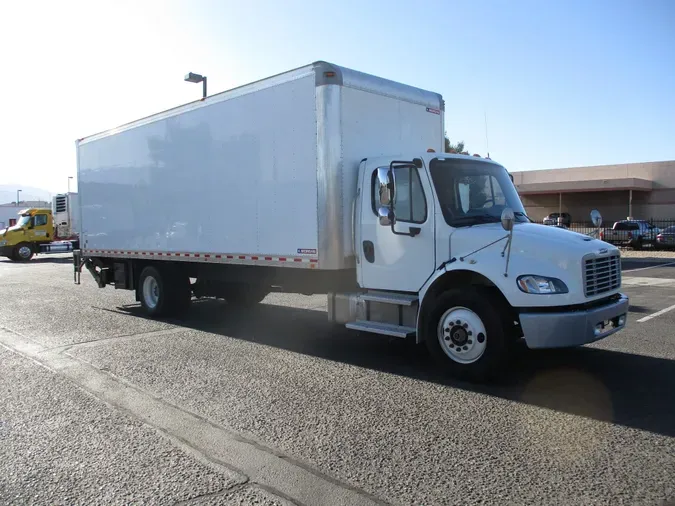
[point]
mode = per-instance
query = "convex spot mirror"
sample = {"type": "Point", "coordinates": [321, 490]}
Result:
{"type": "Point", "coordinates": [508, 217]}
{"type": "Point", "coordinates": [596, 218]}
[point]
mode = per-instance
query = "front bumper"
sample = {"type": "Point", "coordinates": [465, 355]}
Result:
{"type": "Point", "coordinates": [6, 251]}
{"type": "Point", "coordinates": [574, 328]}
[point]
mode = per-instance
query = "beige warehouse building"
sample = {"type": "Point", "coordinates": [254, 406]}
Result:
{"type": "Point", "coordinates": [639, 190]}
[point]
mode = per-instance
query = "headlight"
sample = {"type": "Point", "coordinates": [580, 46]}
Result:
{"type": "Point", "coordinates": [541, 285]}
{"type": "Point", "coordinates": [2, 243]}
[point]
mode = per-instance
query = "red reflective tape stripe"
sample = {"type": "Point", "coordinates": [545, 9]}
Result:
{"type": "Point", "coordinates": [297, 259]}
{"type": "Point", "coordinates": [186, 254]}
{"type": "Point", "coordinates": [282, 259]}
{"type": "Point", "coordinates": [207, 256]}
{"type": "Point", "coordinates": [160, 254]}
{"type": "Point", "coordinates": [231, 257]}
{"type": "Point", "coordinates": [196, 255]}
{"type": "Point", "coordinates": [242, 257]}
{"type": "Point", "coordinates": [314, 260]}
{"type": "Point", "coordinates": [254, 258]}
{"type": "Point", "coordinates": [268, 258]}
{"type": "Point", "coordinates": [219, 256]}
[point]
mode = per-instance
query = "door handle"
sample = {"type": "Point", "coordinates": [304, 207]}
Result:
{"type": "Point", "coordinates": [369, 251]}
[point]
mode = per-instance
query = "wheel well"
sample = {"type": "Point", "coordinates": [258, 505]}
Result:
{"type": "Point", "coordinates": [462, 279]}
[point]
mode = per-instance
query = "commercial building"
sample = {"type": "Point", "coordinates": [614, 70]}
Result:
{"type": "Point", "coordinates": [637, 190]}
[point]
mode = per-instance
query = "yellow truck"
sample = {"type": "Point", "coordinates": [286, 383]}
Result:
{"type": "Point", "coordinates": [40, 230]}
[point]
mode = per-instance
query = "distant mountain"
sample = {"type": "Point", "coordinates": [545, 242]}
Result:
{"type": "Point", "coordinates": [8, 193]}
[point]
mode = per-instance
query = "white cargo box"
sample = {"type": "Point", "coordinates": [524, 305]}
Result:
{"type": "Point", "coordinates": [264, 174]}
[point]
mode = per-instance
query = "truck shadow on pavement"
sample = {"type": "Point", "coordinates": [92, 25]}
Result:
{"type": "Point", "coordinates": [630, 390]}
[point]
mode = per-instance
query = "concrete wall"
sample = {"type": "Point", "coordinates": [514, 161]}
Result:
{"type": "Point", "coordinates": [659, 203]}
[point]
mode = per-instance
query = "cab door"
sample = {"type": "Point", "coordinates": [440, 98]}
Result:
{"type": "Point", "coordinates": [401, 261]}
{"type": "Point", "coordinates": [41, 228]}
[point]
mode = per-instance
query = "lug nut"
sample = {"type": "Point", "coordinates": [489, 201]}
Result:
{"type": "Point", "coordinates": [458, 322]}
{"type": "Point", "coordinates": [470, 341]}
{"type": "Point", "coordinates": [447, 338]}
{"type": "Point", "coordinates": [466, 325]}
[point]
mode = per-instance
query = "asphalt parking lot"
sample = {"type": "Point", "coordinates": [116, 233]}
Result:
{"type": "Point", "coordinates": [277, 406]}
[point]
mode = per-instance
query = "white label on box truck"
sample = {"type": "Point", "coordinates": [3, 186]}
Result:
{"type": "Point", "coordinates": [433, 111]}
{"type": "Point", "coordinates": [303, 251]}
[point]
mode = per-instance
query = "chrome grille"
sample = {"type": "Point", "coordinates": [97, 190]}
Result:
{"type": "Point", "coordinates": [601, 274]}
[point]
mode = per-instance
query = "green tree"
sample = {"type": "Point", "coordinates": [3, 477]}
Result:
{"type": "Point", "coordinates": [457, 147]}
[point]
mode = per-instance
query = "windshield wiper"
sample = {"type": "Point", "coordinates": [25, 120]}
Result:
{"type": "Point", "coordinates": [518, 213]}
{"type": "Point", "coordinates": [474, 220]}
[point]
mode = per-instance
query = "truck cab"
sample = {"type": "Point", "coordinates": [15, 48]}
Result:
{"type": "Point", "coordinates": [444, 240]}
{"type": "Point", "coordinates": [21, 241]}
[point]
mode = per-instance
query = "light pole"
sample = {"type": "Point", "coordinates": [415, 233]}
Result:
{"type": "Point", "coordinates": [197, 78]}
{"type": "Point", "coordinates": [17, 197]}
{"type": "Point", "coordinates": [69, 178]}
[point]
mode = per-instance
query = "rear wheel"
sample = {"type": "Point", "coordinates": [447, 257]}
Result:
{"type": "Point", "coordinates": [164, 291]}
{"type": "Point", "coordinates": [23, 252]}
{"type": "Point", "coordinates": [465, 334]}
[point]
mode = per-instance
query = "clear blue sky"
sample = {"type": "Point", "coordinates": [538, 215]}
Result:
{"type": "Point", "coordinates": [563, 83]}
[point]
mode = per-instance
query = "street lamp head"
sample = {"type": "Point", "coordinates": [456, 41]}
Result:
{"type": "Point", "coordinates": [193, 78]}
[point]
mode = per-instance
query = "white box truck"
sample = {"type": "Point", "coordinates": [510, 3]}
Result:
{"type": "Point", "coordinates": [327, 180]}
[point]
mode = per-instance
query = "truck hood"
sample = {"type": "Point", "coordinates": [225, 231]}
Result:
{"type": "Point", "coordinates": [528, 239]}
{"type": "Point", "coordinates": [537, 250]}
{"type": "Point", "coordinates": [13, 228]}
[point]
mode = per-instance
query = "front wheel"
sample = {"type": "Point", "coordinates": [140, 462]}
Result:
{"type": "Point", "coordinates": [23, 252]}
{"type": "Point", "coordinates": [465, 333]}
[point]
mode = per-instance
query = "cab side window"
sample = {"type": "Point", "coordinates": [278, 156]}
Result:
{"type": "Point", "coordinates": [410, 204]}
{"type": "Point", "coordinates": [40, 220]}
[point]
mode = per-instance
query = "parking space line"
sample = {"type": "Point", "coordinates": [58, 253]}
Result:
{"type": "Point", "coordinates": [642, 281]}
{"type": "Point", "coordinates": [654, 315]}
{"type": "Point", "coordinates": [650, 267]}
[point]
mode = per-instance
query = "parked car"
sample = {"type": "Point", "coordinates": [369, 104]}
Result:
{"type": "Point", "coordinates": [666, 238]}
{"type": "Point", "coordinates": [552, 219]}
{"type": "Point", "coordinates": [633, 233]}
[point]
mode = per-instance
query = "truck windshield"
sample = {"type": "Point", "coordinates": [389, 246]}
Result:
{"type": "Point", "coordinates": [471, 192]}
{"type": "Point", "coordinates": [23, 221]}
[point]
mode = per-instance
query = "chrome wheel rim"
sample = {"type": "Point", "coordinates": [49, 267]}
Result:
{"type": "Point", "coordinates": [150, 292]}
{"type": "Point", "coordinates": [24, 252]}
{"type": "Point", "coordinates": [462, 335]}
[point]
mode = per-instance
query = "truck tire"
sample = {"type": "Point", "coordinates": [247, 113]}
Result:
{"type": "Point", "coordinates": [637, 245]}
{"type": "Point", "coordinates": [23, 252]}
{"type": "Point", "coordinates": [164, 291]}
{"type": "Point", "coordinates": [465, 333]}
{"type": "Point", "coordinates": [242, 295]}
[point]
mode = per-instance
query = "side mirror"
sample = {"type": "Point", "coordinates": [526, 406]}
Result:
{"type": "Point", "coordinates": [511, 177]}
{"type": "Point", "coordinates": [596, 218]}
{"type": "Point", "coordinates": [508, 217]}
{"type": "Point", "coordinates": [386, 216]}
{"type": "Point", "coordinates": [385, 186]}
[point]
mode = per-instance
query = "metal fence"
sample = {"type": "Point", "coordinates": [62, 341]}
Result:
{"type": "Point", "coordinates": [589, 229]}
